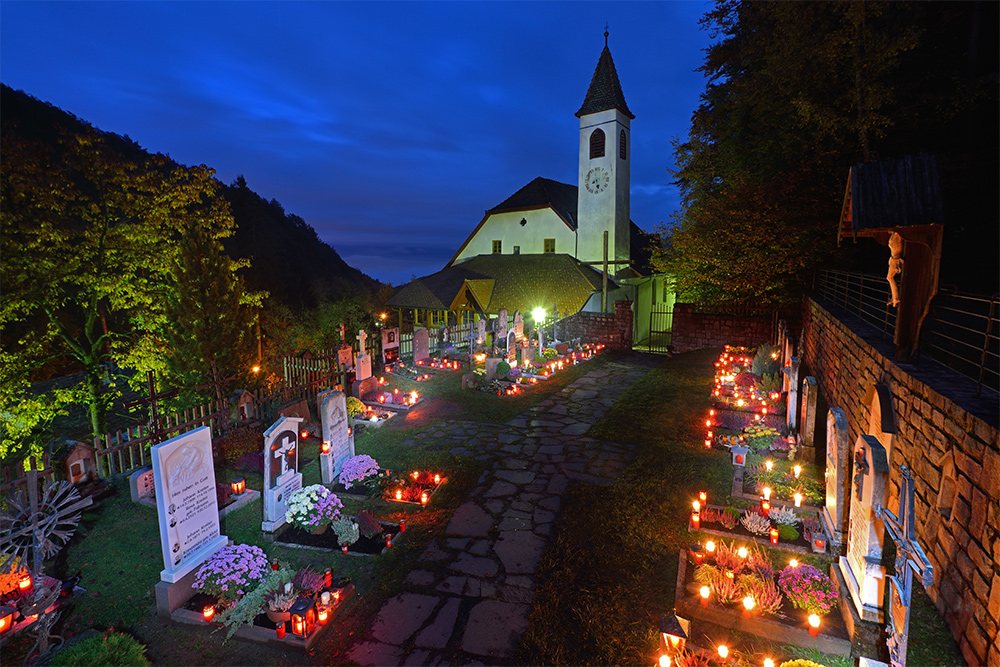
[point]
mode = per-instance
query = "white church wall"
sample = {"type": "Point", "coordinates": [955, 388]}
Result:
{"type": "Point", "coordinates": [540, 224]}
{"type": "Point", "coordinates": [609, 208]}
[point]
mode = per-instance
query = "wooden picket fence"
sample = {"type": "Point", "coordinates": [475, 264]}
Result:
{"type": "Point", "coordinates": [15, 476]}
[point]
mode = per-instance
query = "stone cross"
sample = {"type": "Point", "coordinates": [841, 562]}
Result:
{"type": "Point", "coordinates": [910, 560]}
{"type": "Point", "coordinates": [362, 337]}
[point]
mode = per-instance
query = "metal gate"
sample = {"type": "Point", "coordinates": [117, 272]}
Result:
{"type": "Point", "coordinates": [660, 326]}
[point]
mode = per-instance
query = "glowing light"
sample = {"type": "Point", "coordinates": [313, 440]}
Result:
{"type": "Point", "coordinates": [814, 621]}
{"type": "Point", "coordinates": [793, 563]}
{"type": "Point", "coordinates": [399, 494]}
{"type": "Point", "coordinates": [664, 661]}
{"type": "Point", "coordinates": [208, 612]}
{"type": "Point", "coordinates": [696, 505]}
{"type": "Point", "coordinates": [767, 492]}
{"type": "Point", "coordinates": [710, 547]}
{"type": "Point", "coordinates": [424, 498]}
{"type": "Point", "coordinates": [703, 496]}
{"type": "Point", "coordinates": [769, 465]}
{"type": "Point", "coordinates": [797, 470]}
{"type": "Point", "coordinates": [256, 369]}
{"type": "Point", "coordinates": [798, 499]}
{"type": "Point", "coordinates": [723, 651]}
{"type": "Point", "coordinates": [748, 603]}
{"type": "Point", "coordinates": [742, 552]}
{"type": "Point", "coordinates": [768, 662]}
{"type": "Point", "coordinates": [538, 314]}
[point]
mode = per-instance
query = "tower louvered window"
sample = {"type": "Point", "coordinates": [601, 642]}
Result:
{"type": "Point", "coordinates": [622, 150]}
{"type": "Point", "coordinates": [597, 144]}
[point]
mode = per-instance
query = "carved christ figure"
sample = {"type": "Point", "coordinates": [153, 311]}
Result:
{"type": "Point", "coordinates": [895, 266]}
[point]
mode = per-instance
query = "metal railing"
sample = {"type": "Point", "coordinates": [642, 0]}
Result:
{"type": "Point", "coordinates": [961, 331]}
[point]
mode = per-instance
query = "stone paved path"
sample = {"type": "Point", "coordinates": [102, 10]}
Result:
{"type": "Point", "coordinates": [475, 608]}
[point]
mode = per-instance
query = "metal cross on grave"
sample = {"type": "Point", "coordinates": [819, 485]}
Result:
{"type": "Point", "coordinates": [343, 333]}
{"type": "Point", "coordinates": [156, 434]}
{"type": "Point", "coordinates": [910, 560]}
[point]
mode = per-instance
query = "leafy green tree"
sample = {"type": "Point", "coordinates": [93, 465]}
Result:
{"type": "Point", "coordinates": [89, 240]}
{"type": "Point", "coordinates": [208, 318]}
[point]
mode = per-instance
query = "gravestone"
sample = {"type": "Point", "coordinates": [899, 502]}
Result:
{"type": "Point", "coordinates": [910, 560]}
{"type": "Point", "coordinates": [862, 567]}
{"type": "Point", "coordinates": [480, 332]}
{"type": "Point", "coordinates": [528, 356]}
{"type": "Point", "coordinates": [541, 339]}
{"type": "Point", "coordinates": [281, 470]}
{"type": "Point", "coordinates": [364, 383]}
{"type": "Point", "coordinates": [421, 346]}
{"type": "Point", "coordinates": [791, 373]}
{"type": "Point", "coordinates": [837, 478]}
{"type": "Point", "coordinates": [807, 419]}
{"type": "Point", "coordinates": [518, 325]}
{"type": "Point", "coordinates": [332, 408]}
{"type": "Point", "coordinates": [491, 367]}
{"type": "Point", "coordinates": [881, 416]}
{"type": "Point", "coordinates": [787, 353]}
{"type": "Point", "coordinates": [501, 331]}
{"type": "Point", "coordinates": [142, 485]}
{"type": "Point", "coordinates": [511, 347]}
{"type": "Point", "coordinates": [390, 345]}
{"type": "Point", "coordinates": [186, 503]}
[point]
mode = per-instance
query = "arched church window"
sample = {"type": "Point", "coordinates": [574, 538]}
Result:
{"type": "Point", "coordinates": [622, 151]}
{"type": "Point", "coordinates": [597, 143]}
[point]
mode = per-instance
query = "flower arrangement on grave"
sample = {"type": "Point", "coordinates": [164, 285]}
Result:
{"type": "Point", "coordinates": [354, 406]}
{"type": "Point", "coordinates": [346, 530]}
{"type": "Point", "coordinates": [414, 487]}
{"type": "Point", "coordinates": [514, 374]}
{"type": "Point", "coordinates": [549, 354]}
{"type": "Point", "coordinates": [246, 608]}
{"type": "Point", "coordinates": [764, 592]}
{"type": "Point", "coordinates": [727, 516]}
{"type": "Point", "coordinates": [313, 507]}
{"type": "Point", "coordinates": [232, 572]}
{"type": "Point", "coordinates": [503, 368]}
{"type": "Point", "coordinates": [358, 470]}
{"type": "Point", "coordinates": [755, 522]}
{"type": "Point", "coordinates": [808, 589]}
{"type": "Point", "coordinates": [784, 516]}
{"type": "Point", "coordinates": [280, 601]}
{"type": "Point", "coordinates": [738, 577]}
{"type": "Point", "coordinates": [758, 438]}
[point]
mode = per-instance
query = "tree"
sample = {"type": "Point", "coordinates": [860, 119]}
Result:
{"type": "Point", "coordinates": [796, 94]}
{"type": "Point", "coordinates": [89, 240]}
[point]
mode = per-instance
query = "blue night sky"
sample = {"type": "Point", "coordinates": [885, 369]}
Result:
{"type": "Point", "coordinates": [388, 127]}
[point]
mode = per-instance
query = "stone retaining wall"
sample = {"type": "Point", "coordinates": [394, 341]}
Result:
{"type": "Point", "coordinates": [611, 329]}
{"type": "Point", "coordinates": [692, 330]}
{"type": "Point", "coordinates": [954, 457]}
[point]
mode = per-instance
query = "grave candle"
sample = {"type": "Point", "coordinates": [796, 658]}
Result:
{"type": "Point", "coordinates": [323, 615]}
{"type": "Point", "coordinates": [280, 629]}
{"type": "Point", "coordinates": [769, 465]}
{"type": "Point", "coordinates": [437, 479]}
{"type": "Point", "coordinates": [324, 597]}
{"type": "Point", "coordinates": [767, 492]}
{"type": "Point", "coordinates": [696, 505]}
{"type": "Point", "coordinates": [765, 507]}
{"type": "Point", "coordinates": [705, 592]}
{"type": "Point", "coordinates": [703, 497]}
{"type": "Point", "coordinates": [343, 548]}
{"type": "Point", "coordinates": [793, 563]}
{"type": "Point", "coordinates": [388, 540]}
{"type": "Point", "coordinates": [328, 577]}
{"type": "Point", "coordinates": [768, 662]}
{"type": "Point", "coordinates": [424, 498]}
{"type": "Point", "coordinates": [708, 444]}
{"type": "Point", "coordinates": [710, 548]}
{"type": "Point", "coordinates": [748, 605]}
{"type": "Point", "coordinates": [326, 447]}
{"type": "Point", "coordinates": [814, 625]}
{"type": "Point", "coordinates": [399, 494]}
{"type": "Point", "coordinates": [664, 660]}
{"type": "Point", "coordinates": [774, 536]}
{"type": "Point", "coordinates": [742, 552]}
{"type": "Point", "coordinates": [798, 499]}
{"type": "Point", "coordinates": [24, 583]}
{"type": "Point", "coordinates": [797, 470]}
{"type": "Point", "coordinates": [723, 651]}
{"type": "Point", "coordinates": [695, 520]}
{"type": "Point", "coordinates": [402, 525]}
{"type": "Point", "coordinates": [697, 552]}
{"type": "Point", "coordinates": [208, 612]}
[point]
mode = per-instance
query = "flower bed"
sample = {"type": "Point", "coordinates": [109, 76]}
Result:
{"type": "Point", "coordinates": [719, 522]}
{"type": "Point", "coordinates": [409, 372]}
{"type": "Point", "coordinates": [330, 541]}
{"type": "Point", "coordinates": [414, 488]}
{"type": "Point", "coordinates": [441, 365]}
{"type": "Point", "coordinates": [783, 622]}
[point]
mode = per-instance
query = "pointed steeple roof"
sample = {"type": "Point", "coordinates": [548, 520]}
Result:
{"type": "Point", "coordinates": [605, 90]}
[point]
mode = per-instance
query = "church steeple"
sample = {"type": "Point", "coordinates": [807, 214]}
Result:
{"type": "Point", "coordinates": [605, 90]}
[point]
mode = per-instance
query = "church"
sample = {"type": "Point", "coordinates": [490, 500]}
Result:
{"type": "Point", "coordinates": [550, 244]}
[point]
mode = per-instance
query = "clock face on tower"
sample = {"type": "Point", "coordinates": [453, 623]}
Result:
{"type": "Point", "coordinates": [597, 180]}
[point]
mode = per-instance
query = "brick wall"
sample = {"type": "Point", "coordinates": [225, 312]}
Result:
{"type": "Point", "coordinates": [611, 329]}
{"type": "Point", "coordinates": [954, 457]}
{"type": "Point", "coordinates": [693, 330]}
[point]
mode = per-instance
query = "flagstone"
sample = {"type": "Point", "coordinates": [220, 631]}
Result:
{"type": "Point", "coordinates": [471, 520]}
{"type": "Point", "coordinates": [519, 551]}
{"type": "Point", "coordinates": [501, 489]}
{"type": "Point", "coordinates": [452, 585]}
{"type": "Point", "coordinates": [475, 565]}
{"type": "Point", "coordinates": [494, 628]}
{"type": "Point", "coordinates": [375, 653]}
{"type": "Point", "coordinates": [437, 634]}
{"type": "Point", "coordinates": [401, 616]}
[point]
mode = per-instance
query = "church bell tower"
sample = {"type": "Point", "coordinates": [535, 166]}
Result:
{"type": "Point", "coordinates": [605, 149]}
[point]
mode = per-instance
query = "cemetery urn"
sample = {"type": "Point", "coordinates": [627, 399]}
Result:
{"type": "Point", "coordinates": [303, 616]}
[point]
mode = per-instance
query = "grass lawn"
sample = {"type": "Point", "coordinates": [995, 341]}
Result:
{"type": "Point", "coordinates": [611, 568]}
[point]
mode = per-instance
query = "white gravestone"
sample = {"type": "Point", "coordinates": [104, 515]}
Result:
{"type": "Point", "coordinates": [837, 480]}
{"type": "Point", "coordinates": [390, 345]}
{"type": "Point", "coordinates": [541, 339]}
{"type": "Point", "coordinates": [511, 347]}
{"type": "Point", "coordinates": [518, 325]}
{"type": "Point", "coordinates": [281, 470]}
{"type": "Point", "coordinates": [862, 567]}
{"type": "Point", "coordinates": [881, 416]}
{"type": "Point", "coordinates": [502, 323]}
{"type": "Point", "coordinates": [363, 364]}
{"type": "Point", "coordinates": [186, 502]}
{"type": "Point", "coordinates": [335, 428]}
{"type": "Point", "coordinates": [480, 332]}
{"type": "Point", "coordinates": [807, 418]}
{"type": "Point", "coordinates": [421, 346]}
{"type": "Point", "coordinates": [142, 484]}
{"type": "Point", "coordinates": [491, 367]}
{"type": "Point", "coordinates": [792, 380]}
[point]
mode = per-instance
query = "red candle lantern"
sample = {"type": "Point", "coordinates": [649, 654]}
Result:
{"type": "Point", "coordinates": [697, 552]}
{"type": "Point", "coordinates": [814, 625]}
{"type": "Point", "coordinates": [304, 434]}
{"type": "Point", "coordinates": [705, 592]}
{"type": "Point", "coordinates": [274, 565]}
{"type": "Point", "coordinates": [239, 485]}
{"type": "Point", "coordinates": [402, 525]}
{"type": "Point", "coordinates": [695, 520]}
{"type": "Point", "coordinates": [748, 606]}
{"type": "Point", "coordinates": [328, 577]}
{"type": "Point", "coordinates": [325, 447]}
{"type": "Point", "coordinates": [208, 612]}
{"type": "Point", "coordinates": [424, 498]}
{"type": "Point", "coordinates": [24, 583]}
{"type": "Point", "coordinates": [6, 618]}
{"type": "Point", "coordinates": [303, 616]}
{"type": "Point", "coordinates": [323, 615]}
{"type": "Point", "coordinates": [343, 548]}
{"type": "Point", "coordinates": [765, 507]}
{"type": "Point", "coordinates": [280, 629]}
{"type": "Point", "coordinates": [388, 540]}
{"type": "Point", "coordinates": [703, 497]}
{"type": "Point", "coordinates": [774, 536]}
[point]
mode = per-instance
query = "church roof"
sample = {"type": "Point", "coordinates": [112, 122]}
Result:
{"type": "Point", "coordinates": [605, 90]}
{"type": "Point", "coordinates": [514, 282]}
{"type": "Point", "coordinates": [542, 192]}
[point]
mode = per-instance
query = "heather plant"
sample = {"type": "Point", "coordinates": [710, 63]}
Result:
{"type": "Point", "coordinates": [232, 571]}
{"type": "Point", "coordinates": [763, 590]}
{"type": "Point", "coordinates": [691, 659]}
{"type": "Point", "coordinates": [759, 563]}
{"type": "Point", "coordinates": [246, 608]}
{"type": "Point", "coordinates": [281, 601]}
{"type": "Point", "coordinates": [727, 557]}
{"type": "Point", "coordinates": [785, 516]}
{"type": "Point", "coordinates": [346, 530]}
{"type": "Point", "coordinates": [357, 469]}
{"type": "Point", "coordinates": [730, 517]}
{"type": "Point", "coordinates": [309, 581]}
{"type": "Point", "coordinates": [755, 522]}
{"type": "Point", "coordinates": [808, 589]}
{"type": "Point", "coordinates": [726, 588]}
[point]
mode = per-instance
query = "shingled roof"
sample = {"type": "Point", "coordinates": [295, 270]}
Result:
{"type": "Point", "coordinates": [542, 192]}
{"type": "Point", "coordinates": [518, 282]}
{"type": "Point", "coordinates": [605, 90]}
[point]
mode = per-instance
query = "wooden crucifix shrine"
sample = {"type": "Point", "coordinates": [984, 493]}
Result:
{"type": "Point", "coordinates": [155, 432]}
{"type": "Point", "coordinates": [910, 560]}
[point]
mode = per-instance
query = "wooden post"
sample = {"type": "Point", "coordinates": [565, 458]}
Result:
{"type": "Point", "coordinates": [604, 279]}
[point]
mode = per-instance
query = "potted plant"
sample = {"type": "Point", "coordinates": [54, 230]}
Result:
{"type": "Point", "coordinates": [808, 589]}
{"type": "Point", "coordinates": [358, 470]}
{"type": "Point", "coordinates": [313, 508]}
{"type": "Point", "coordinates": [347, 532]}
{"type": "Point", "coordinates": [232, 572]}
{"type": "Point", "coordinates": [279, 603]}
